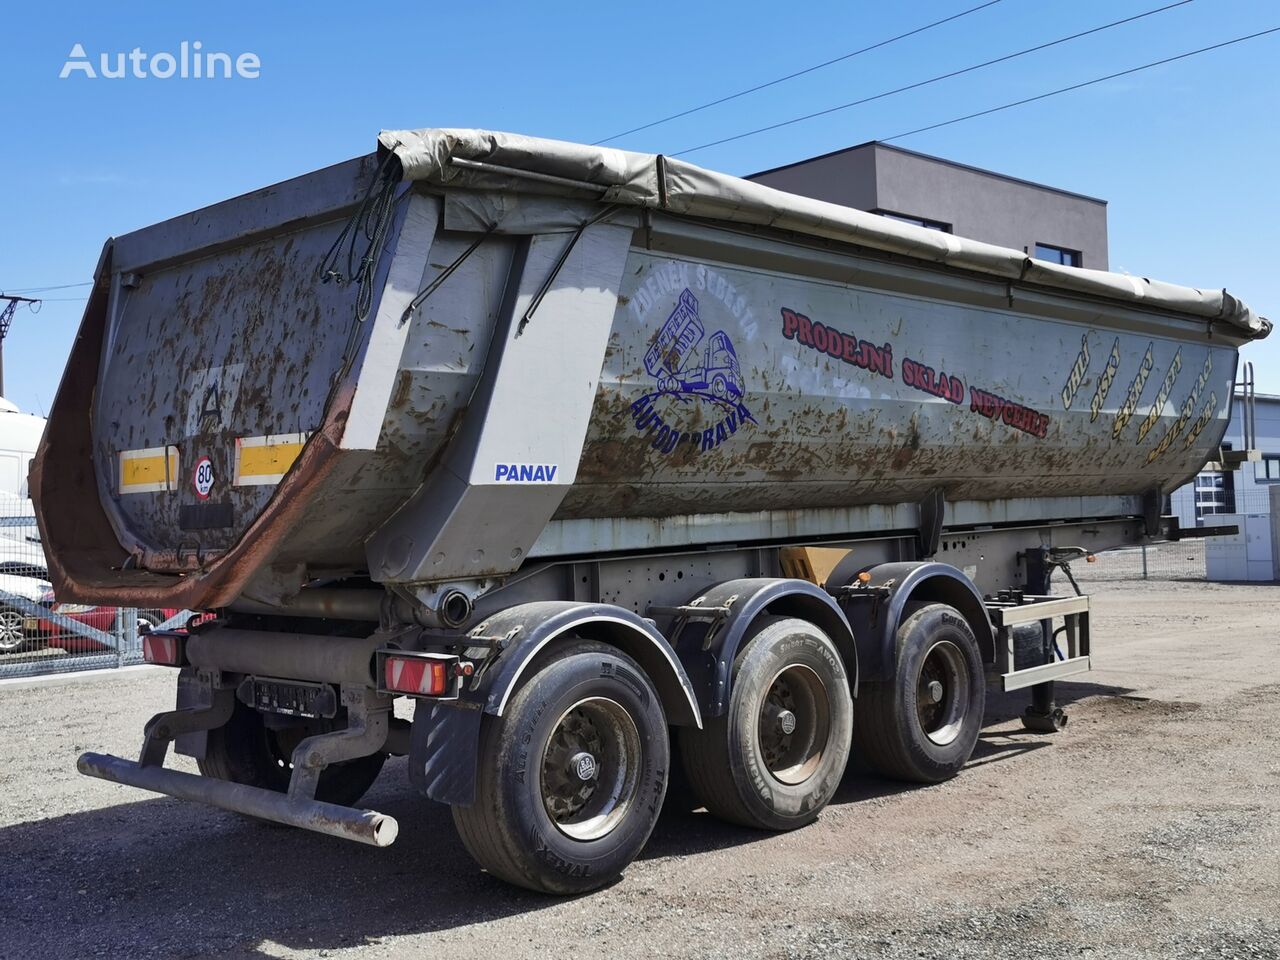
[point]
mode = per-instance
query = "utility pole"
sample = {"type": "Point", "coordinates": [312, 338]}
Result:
{"type": "Point", "coordinates": [10, 304]}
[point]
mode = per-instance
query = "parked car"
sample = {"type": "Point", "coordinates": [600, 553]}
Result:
{"type": "Point", "coordinates": [16, 626]}
{"type": "Point", "coordinates": [105, 619]}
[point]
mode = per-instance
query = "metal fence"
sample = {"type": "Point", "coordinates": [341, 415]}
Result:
{"type": "Point", "coordinates": [40, 634]}
{"type": "Point", "coordinates": [1180, 560]}
{"type": "Point", "coordinates": [1183, 560]}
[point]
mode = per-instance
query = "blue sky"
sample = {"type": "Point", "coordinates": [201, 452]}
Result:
{"type": "Point", "coordinates": [1186, 154]}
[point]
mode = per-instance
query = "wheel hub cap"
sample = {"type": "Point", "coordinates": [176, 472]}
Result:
{"type": "Point", "coordinates": [794, 724]}
{"type": "Point", "coordinates": [591, 768]}
{"type": "Point", "coordinates": [787, 723]}
{"type": "Point", "coordinates": [942, 692]}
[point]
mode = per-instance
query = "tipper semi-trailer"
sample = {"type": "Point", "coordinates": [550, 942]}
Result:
{"type": "Point", "coordinates": [602, 459]}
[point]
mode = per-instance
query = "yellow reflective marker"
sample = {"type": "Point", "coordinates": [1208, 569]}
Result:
{"type": "Point", "coordinates": [265, 460]}
{"type": "Point", "coordinates": [151, 470]}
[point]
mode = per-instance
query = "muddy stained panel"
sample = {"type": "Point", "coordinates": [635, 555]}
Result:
{"type": "Point", "coordinates": [731, 389]}
{"type": "Point", "coordinates": [444, 354]}
{"type": "Point", "coordinates": [240, 344]}
{"type": "Point", "coordinates": [445, 350]}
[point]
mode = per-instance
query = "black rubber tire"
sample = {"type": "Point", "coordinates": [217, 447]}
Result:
{"type": "Point", "coordinates": [152, 617]}
{"type": "Point", "coordinates": [888, 733]}
{"type": "Point", "coordinates": [508, 830]}
{"type": "Point", "coordinates": [245, 751]}
{"type": "Point", "coordinates": [725, 760]}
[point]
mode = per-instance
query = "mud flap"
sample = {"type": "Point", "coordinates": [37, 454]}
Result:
{"type": "Point", "coordinates": [191, 693]}
{"type": "Point", "coordinates": [443, 749]}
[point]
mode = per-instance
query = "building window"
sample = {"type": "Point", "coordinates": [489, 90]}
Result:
{"type": "Point", "coordinates": [1214, 493]}
{"type": "Point", "coordinates": [1068, 258]}
{"type": "Point", "coordinates": [915, 221]}
{"type": "Point", "coordinates": [1268, 468]}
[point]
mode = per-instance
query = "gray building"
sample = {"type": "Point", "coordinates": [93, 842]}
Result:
{"type": "Point", "coordinates": [1044, 222]}
{"type": "Point", "coordinates": [1247, 489]}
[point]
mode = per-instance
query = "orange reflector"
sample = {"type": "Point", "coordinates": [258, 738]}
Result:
{"type": "Point", "coordinates": [864, 577]}
{"type": "Point", "coordinates": [163, 649]}
{"type": "Point", "coordinates": [1091, 559]}
{"type": "Point", "coordinates": [417, 676]}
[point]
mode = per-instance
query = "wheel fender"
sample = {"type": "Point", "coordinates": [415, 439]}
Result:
{"type": "Point", "coordinates": [443, 749]}
{"type": "Point", "coordinates": [711, 665]}
{"type": "Point", "coordinates": [875, 619]}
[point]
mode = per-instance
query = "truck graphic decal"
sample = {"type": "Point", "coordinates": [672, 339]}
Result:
{"type": "Point", "coordinates": [675, 361]}
{"type": "Point", "coordinates": [688, 367]}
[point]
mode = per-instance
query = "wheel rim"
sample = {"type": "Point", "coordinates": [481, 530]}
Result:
{"type": "Point", "coordinates": [591, 768]}
{"type": "Point", "coordinates": [795, 724]}
{"type": "Point", "coordinates": [11, 635]}
{"type": "Point", "coordinates": [942, 692]}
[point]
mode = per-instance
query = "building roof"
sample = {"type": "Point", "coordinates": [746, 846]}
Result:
{"type": "Point", "coordinates": [880, 145]}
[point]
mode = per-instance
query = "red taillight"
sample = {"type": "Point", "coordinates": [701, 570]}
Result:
{"type": "Point", "coordinates": [164, 649]}
{"type": "Point", "coordinates": [420, 674]}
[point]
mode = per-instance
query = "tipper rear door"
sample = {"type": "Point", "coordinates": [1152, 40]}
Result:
{"type": "Point", "coordinates": [216, 369]}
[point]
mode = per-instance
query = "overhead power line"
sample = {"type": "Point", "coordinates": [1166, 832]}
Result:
{"type": "Point", "coordinates": [940, 77]}
{"type": "Point", "coordinates": [61, 286]}
{"type": "Point", "coordinates": [800, 73]}
{"type": "Point", "coordinates": [1077, 86]}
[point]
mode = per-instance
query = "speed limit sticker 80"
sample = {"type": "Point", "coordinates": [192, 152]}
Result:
{"type": "Point", "coordinates": [202, 477]}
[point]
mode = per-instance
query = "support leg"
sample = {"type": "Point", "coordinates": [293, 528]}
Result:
{"type": "Point", "coordinates": [1043, 716]}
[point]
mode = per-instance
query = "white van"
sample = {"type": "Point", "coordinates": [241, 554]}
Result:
{"type": "Point", "coordinates": [19, 436]}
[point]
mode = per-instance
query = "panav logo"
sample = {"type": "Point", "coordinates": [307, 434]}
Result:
{"type": "Point", "coordinates": [689, 368]}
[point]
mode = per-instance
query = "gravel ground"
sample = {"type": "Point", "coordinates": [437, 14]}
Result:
{"type": "Point", "coordinates": [1150, 828]}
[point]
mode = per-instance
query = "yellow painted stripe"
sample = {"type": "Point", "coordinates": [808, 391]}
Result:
{"type": "Point", "coordinates": [265, 460]}
{"type": "Point", "coordinates": [268, 459]}
{"type": "Point", "coordinates": [143, 471]}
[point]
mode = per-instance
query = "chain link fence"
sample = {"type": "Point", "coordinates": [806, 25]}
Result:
{"type": "Point", "coordinates": [39, 634]}
{"type": "Point", "coordinates": [1180, 560]}
{"type": "Point", "coordinates": [1183, 560]}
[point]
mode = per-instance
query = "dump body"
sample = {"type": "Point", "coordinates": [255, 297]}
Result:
{"type": "Point", "coordinates": [549, 368]}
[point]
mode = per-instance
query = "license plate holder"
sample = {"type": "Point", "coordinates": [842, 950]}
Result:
{"type": "Point", "coordinates": [291, 698]}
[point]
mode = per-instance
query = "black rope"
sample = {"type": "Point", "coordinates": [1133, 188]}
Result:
{"type": "Point", "coordinates": [444, 275]}
{"type": "Point", "coordinates": [372, 221]}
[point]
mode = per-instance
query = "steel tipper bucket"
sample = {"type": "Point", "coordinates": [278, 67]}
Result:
{"type": "Point", "coordinates": [356, 371]}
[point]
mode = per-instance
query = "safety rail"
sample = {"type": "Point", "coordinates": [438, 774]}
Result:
{"type": "Point", "coordinates": [1010, 609]}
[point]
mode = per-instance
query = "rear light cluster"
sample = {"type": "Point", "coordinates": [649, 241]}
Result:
{"type": "Point", "coordinates": [164, 649]}
{"type": "Point", "coordinates": [435, 675]}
